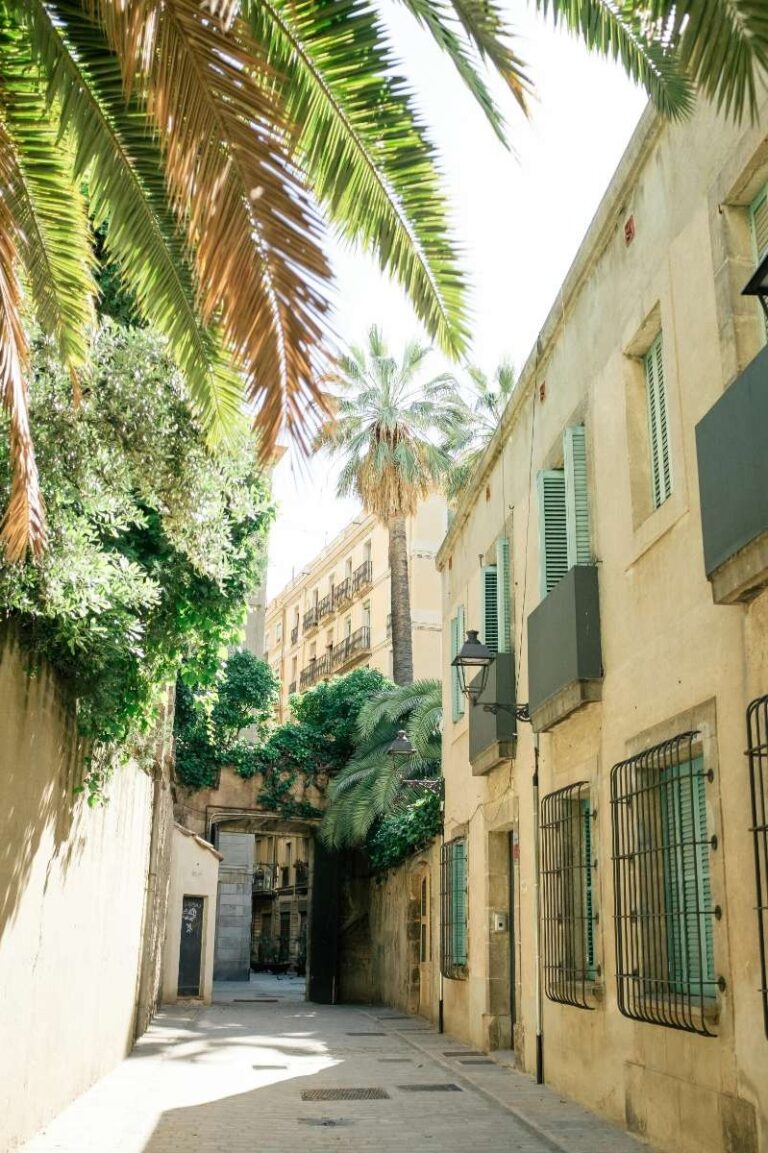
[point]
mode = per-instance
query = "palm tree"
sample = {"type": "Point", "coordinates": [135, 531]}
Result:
{"type": "Point", "coordinates": [392, 432]}
{"type": "Point", "coordinates": [217, 138]}
{"type": "Point", "coordinates": [484, 412]}
{"type": "Point", "coordinates": [371, 784]}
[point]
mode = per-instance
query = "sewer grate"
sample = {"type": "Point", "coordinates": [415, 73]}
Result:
{"type": "Point", "coordinates": [475, 1061]}
{"type": "Point", "coordinates": [325, 1122]}
{"type": "Point", "coordinates": [395, 1017]}
{"type": "Point", "coordinates": [441, 1087]}
{"type": "Point", "coordinates": [397, 1060]}
{"type": "Point", "coordinates": [463, 1053]}
{"type": "Point", "coordinates": [255, 1000]}
{"type": "Point", "coordinates": [262, 1067]}
{"type": "Point", "coordinates": [366, 1034]}
{"type": "Point", "coordinates": [374, 1094]}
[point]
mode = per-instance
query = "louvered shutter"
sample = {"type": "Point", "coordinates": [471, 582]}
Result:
{"type": "Point", "coordinates": [503, 595]}
{"type": "Point", "coordinates": [589, 904]}
{"type": "Point", "coordinates": [658, 427]}
{"type": "Point", "coordinates": [459, 902]}
{"type": "Point", "coordinates": [758, 213]}
{"type": "Point", "coordinates": [553, 532]}
{"type": "Point", "coordinates": [489, 609]}
{"type": "Point", "coordinates": [457, 639]}
{"type": "Point", "coordinates": [577, 496]}
{"type": "Point", "coordinates": [687, 884]}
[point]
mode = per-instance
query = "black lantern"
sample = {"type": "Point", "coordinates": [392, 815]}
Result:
{"type": "Point", "coordinates": [401, 746]}
{"type": "Point", "coordinates": [473, 661]}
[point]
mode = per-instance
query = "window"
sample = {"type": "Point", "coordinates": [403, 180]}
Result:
{"type": "Point", "coordinates": [758, 218]}
{"type": "Point", "coordinates": [658, 428]}
{"type": "Point", "coordinates": [348, 567]}
{"type": "Point", "coordinates": [457, 640]}
{"type": "Point", "coordinates": [757, 751]}
{"type": "Point", "coordinates": [495, 616]}
{"type": "Point", "coordinates": [664, 911]}
{"type": "Point", "coordinates": [568, 899]}
{"type": "Point", "coordinates": [278, 632]}
{"type": "Point", "coordinates": [425, 952]}
{"type": "Point", "coordinates": [367, 615]}
{"type": "Point", "coordinates": [565, 538]}
{"type": "Point", "coordinates": [266, 641]}
{"type": "Point", "coordinates": [453, 869]}
{"type": "Point", "coordinates": [348, 627]}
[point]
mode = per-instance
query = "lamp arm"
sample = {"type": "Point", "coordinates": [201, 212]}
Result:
{"type": "Point", "coordinates": [519, 712]}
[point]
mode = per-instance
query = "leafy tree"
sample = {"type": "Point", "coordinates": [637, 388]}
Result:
{"type": "Point", "coordinates": [369, 789]}
{"type": "Point", "coordinates": [217, 139]}
{"type": "Point", "coordinates": [392, 431]}
{"type": "Point", "coordinates": [154, 544]}
{"type": "Point", "coordinates": [471, 437]}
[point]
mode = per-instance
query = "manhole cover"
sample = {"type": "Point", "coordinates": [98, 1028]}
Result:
{"type": "Point", "coordinates": [463, 1053]}
{"type": "Point", "coordinates": [439, 1088]}
{"type": "Point", "coordinates": [396, 1060]}
{"type": "Point", "coordinates": [474, 1061]}
{"type": "Point", "coordinates": [345, 1095]}
{"type": "Point", "coordinates": [325, 1122]}
{"type": "Point", "coordinates": [366, 1034]}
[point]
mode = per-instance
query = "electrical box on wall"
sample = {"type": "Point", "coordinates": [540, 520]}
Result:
{"type": "Point", "coordinates": [500, 922]}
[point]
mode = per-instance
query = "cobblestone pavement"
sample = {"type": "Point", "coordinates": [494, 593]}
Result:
{"type": "Point", "coordinates": [232, 1078]}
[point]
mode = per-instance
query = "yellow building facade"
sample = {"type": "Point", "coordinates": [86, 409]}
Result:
{"type": "Point", "coordinates": [612, 552]}
{"type": "Point", "coordinates": [334, 616]}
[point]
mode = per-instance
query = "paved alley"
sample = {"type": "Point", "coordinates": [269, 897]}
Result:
{"type": "Point", "coordinates": [262, 1071]}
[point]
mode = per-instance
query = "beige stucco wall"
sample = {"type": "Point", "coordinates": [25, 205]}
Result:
{"type": "Point", "coordinates": [194, 873]}
{"type": "Point", "coordinates": [72, 885]}
{"type": "Point", "coordinates": [671, 657]}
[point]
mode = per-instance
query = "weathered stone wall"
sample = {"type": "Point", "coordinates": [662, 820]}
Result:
{"type": "Point", "coordinates": [72, 905]}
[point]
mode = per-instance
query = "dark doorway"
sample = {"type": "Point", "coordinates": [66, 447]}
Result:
{"type": "Point", "coordinates": [191, 946]}
{"type": "Point", "coordinates": [284, 952]}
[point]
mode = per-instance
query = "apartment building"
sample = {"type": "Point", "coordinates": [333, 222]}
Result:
{"type": "Point", "coordinates": [605, 866]}
{"type": "Point", "coordinates": [335, 615]}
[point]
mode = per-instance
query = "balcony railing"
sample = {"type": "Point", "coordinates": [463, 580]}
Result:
{"type": "Point", "coordinates": [291, 688]}
{"type": "Point", "coordinates": [351, 647]}
{"type": "Point", "coordinates": [362, 576]}
{"type": "Point", "coordinates": [294, 634]}
{"type": "Point", "coordinates": [342, 592]}
{"type": "Point", "coordinates": [325, 606]}
{"type": "Point", "coordinates": [263, 879]}
{"type": "Point", "coordinates": [310, 619]}
{"type": "Point", "coordinates": [389, 625]}
{"type": "Point", "coordinates": [302, 873]}
{"type": "Point", "coordinates": [316, 670]}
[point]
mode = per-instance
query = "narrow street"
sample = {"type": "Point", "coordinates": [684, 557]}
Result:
{"type": "Point", "coordinates": [236, 1077]}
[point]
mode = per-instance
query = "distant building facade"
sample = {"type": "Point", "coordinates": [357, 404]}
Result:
{"type": "Point", "coordinates": [335, 616]}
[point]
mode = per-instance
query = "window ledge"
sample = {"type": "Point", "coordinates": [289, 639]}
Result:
{"type": "Point", "coordinates": [657, 524]}
{"type": "Point", "coordinates": [559, 707]}
{"type": "Point", "coordinates": [743, 575]}
{"type": "Point", "coordinates": [495, 754]}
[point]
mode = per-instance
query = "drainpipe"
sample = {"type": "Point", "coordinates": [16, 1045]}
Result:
{"type": "Point", "coordinates": [440, 1018]}
{"type": "Point", "coordinates": [537, 919]}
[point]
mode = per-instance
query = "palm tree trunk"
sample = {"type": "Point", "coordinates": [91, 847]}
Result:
{"type": "Point", "coordinates": [400, 594]}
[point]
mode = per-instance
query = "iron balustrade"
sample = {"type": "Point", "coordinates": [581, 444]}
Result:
{"type": "Point", "coordinates": [325, 607]}
{"type": "Point", "coordinates": [302, 873]}
{"type": "Point", "coordinates": [342, 592]}
{"type": "Point", "coordinates": [351, 647]}
{"type": "Point", "coordinates": [757, 753]}
{"type": "Point", "coordinates": [568, 896]}
{"type": "Point", "coordinates": [315, 671]}
{"type": "Point", "coordinates": [362, 576]}
{"type": "Point", "coordinates": [263, 879]}
{"type": "Point", "coordinates": [294, 634]}
{"type": "Point", "coordinates": [661, 866]}
{"type": "Point", "coordinates": [291, 688]}
{"type": "Point", "coordinates": [310, 619]}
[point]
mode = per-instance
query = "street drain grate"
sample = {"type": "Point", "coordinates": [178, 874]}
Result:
{"type": "Point", "coordinates": [441, 1087]}
{"type": "Point", "coordinates": [474, 1061]}
{"type": "Point", "coordinates": [463, 1053]}
{"type": "Point", "coordinates": [366, 1034]}
{"type": "Point", "coordinates": [345, 1095]}
{"type": "Point", "coordinates": [262, 1067]}
{"type": "Point", "coordinates": [255, 1000]}
{"type": "Point", "coordinates": [325, 1122]}
{"type": "Point", "coordinates": [395, 1017]}
{"type": "Point", "coordinates": [396, 1060]}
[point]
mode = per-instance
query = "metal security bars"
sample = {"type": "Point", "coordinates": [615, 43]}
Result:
{"type": "Point", "coordinates": [757, 752]}
{"type": "Point", "coordinates": [453, 908]}
{"type": "Point", "coordinates": [568, 899]}
{"type": "Point", "coordinates": [661, 867]}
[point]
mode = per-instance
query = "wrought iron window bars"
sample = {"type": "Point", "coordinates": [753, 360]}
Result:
{"type": "Point", "coordinates": [757, 753]}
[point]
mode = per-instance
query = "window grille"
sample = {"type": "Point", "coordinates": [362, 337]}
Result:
{"type": "Point", "coordinates": [658, 426]}
{"type": "Point", "coordinates": [453, 900]}
{"type": "Point", "coordinates": [661, 866]}
{"type": "Point", "coordinates": [568, 898]}
{"type": "Point", "coordinates": [757, 751]}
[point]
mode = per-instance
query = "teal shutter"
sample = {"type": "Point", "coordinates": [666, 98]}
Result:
{"type": "Point", "coordinates": [457, 639]}
{"type": "Point", "coordinates": [658, 428]}
{"type": "Point", "coordinates": [758, 215]}
{"type": "Point", "coordinates": [489, 608]}
{"type": "Point", "coordinates": [577, 496]}
{"type": "Point", "coordinates": [459, 902]}
{"type": "Point", "coordinates": [503, 595]}
{"type": "Point", "coordinates": [589, 902]}
{"type": "Point", "coordinates": [553, 533]}
{"type": "Point", "coordinates": [687, 884]}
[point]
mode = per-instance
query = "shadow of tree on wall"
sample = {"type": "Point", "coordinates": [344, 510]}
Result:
{"type": "Point", "coordinates": [38, 771]}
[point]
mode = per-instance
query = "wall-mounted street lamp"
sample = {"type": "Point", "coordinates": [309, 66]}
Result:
{"type": "Point", "coordinates": [402, 747]}
{"type": "Point", "coordinates": [472, 664]}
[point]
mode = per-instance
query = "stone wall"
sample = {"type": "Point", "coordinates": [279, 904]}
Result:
{"type": "Point", "coordinates": [72, 907]}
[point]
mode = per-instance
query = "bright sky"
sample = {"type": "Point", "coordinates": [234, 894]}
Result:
{"type": "Point", "coordinates": [519, 216]}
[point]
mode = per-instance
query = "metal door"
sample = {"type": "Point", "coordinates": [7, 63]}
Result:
{"type": "Point", "coordinates": [191, 946]}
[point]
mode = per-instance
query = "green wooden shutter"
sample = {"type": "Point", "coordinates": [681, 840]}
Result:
{"type": "Point", "coordinates": [489, 608]}
{"type": "Point", "coordinates": [503, 595]}
{"type": "Point", "coordinates": [758, 215]}
{"type": "Point", "coordinates": [687, 884]}
{"type": "Point", "coordinates": [577, 496]}
{"type": "Point", "coordinates": [658, 426]}
{"type": "Point", "coordinates": [553, 532]}
{"type": "Point", "coordinates": [589, 902]}
{"type": "Point", "coordinates": [459, 902]}
{"type": "Point", "coordinates": [457, 640]}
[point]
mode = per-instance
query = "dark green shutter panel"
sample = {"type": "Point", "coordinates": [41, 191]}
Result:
{"type": "Point", "coordinates": [577, 496]}
{"type": "Point", "coordinates": [504, 595]}
{"type": "Point", "coordinates": [553, 531]}
{"type": "Point", "coordinates": [658, 425]}
{"type": "Point", "coordinates": [459, 902]}
{"type": "Point", "coordinates": [455, 692]}
{"type": "Point", "coordinates": [489, 608]}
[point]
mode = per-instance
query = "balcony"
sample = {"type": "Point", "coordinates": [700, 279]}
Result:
{"type": "Point", "coordinates": [342, 592]}
{"type": "Point", "coordinates": [310, 619]}
{"type": "Point", "coordinates": [295, 635]}
{"type": "Point", "coordinates": [351, 648]}
{"type": "Point", "coordinates": [264, 879]}
{"type": "Point", "coordinates": [565, 663]}
{"type": "Point", "coordinates": [362, 577]}
{"type": "Point", "coordinates": [291, 688]}
{"type": "Point", "coordinates": [492, 738]}
{"type": "Point", "coordinates": [315, 671]}
{"type": "Point", "coordinates": [733, 485]}
{"type": "Point", "coordinates": [302, 873]}
{"type": "Point", "coordinates": [325, 607]}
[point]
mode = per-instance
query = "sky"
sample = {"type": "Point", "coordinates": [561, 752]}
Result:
{"type": "Point", "coordinates": [519, 216]}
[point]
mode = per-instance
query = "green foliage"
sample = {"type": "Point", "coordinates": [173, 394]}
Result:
{"type": "Point", "coordinates": [154, 544]}
{"type": "Point", "coordinates": [404, 832]}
